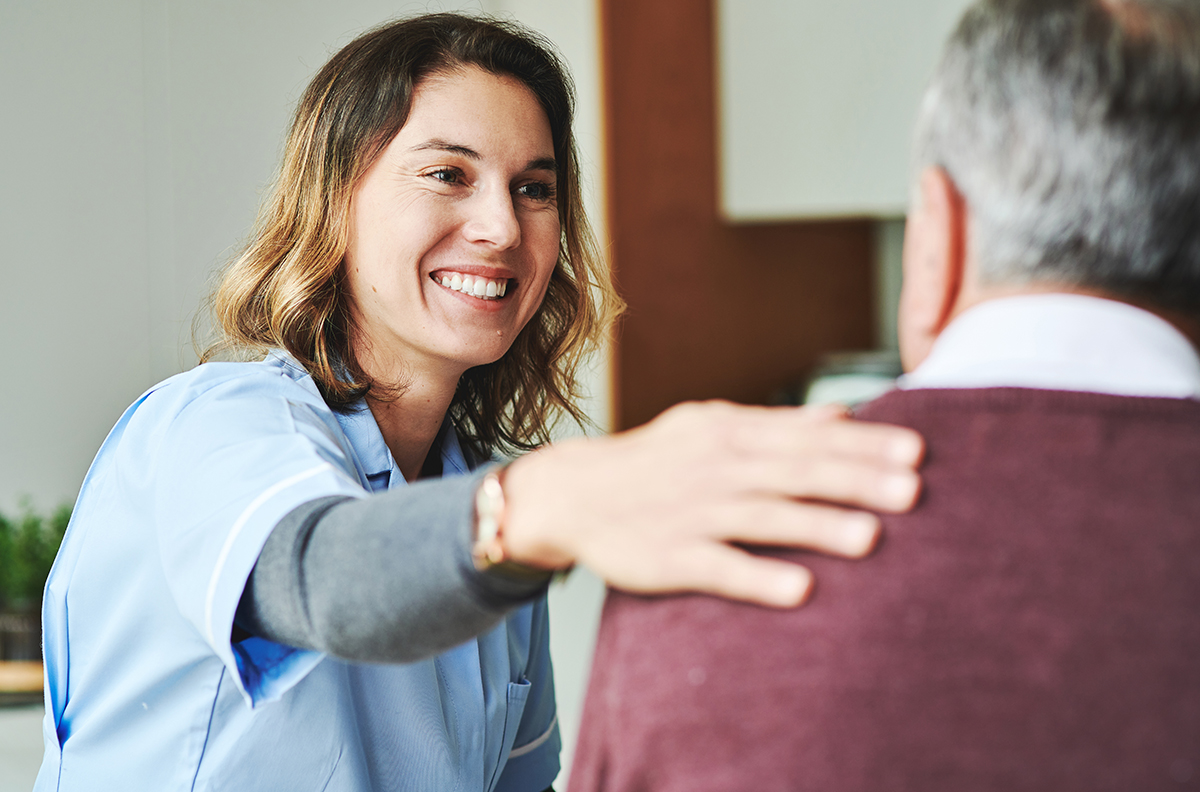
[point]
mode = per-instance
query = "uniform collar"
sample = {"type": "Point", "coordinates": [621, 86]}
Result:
{"type": "Point", "coordinates": [362, 431]}
{"type": "Point", "coordinates": [1062, 342]}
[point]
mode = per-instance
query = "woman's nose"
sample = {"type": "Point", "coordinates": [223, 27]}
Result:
{"type": "Point", "coordinates": [492, 219]}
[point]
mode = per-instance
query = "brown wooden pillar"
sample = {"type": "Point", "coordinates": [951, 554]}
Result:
{"type": "Point", "coordinates": [715, 310]}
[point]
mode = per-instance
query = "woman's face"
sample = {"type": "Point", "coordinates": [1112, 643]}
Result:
{"type": "Point", "coordinates": [454, 228]}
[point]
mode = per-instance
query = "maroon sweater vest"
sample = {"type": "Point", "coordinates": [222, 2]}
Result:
{"type": "Point", "coordinates": [1033, 625]}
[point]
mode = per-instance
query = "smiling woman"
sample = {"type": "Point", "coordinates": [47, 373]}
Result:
{"type": "Point", "coordinates": [464, 193]}
{"type": "Point", "coordinates": [300, 570]}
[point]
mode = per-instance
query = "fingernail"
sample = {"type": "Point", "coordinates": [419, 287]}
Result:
{"type": "Point", "coordinates": [901, 490]}
{"type": "Point", "coordinates": [792, 587]}
{"type": "Point", "coordinates": [861, 533]}
{"type": "Point", "coordinates": [905, 449]}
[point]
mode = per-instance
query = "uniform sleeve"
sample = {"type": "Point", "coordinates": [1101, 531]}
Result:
{"type": "Point", "coordinates": [233, 459]}
{"type": "Point", "coordinates": [533, 762]}
{"type": "Point", "coordinates": [385, 579]}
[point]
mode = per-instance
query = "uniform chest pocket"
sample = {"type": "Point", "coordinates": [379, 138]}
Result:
{"type": "Point", "coordinates": [518, 694]}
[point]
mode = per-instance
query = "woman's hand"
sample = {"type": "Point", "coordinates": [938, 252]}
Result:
{"type": "Point", "coordinates": [655, 509]}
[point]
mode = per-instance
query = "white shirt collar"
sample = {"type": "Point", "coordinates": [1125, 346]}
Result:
{"type": "Point", "coordinates": [1061, 342]}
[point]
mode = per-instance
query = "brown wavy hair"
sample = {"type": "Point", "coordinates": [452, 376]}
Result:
{"type": "Point", "coordinates": [287, 288]}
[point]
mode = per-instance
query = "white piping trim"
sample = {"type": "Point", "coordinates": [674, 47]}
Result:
{"type": "Point", "coordinates": [238, 525]}
{"type": "Point", "coordinates": [532, 746]}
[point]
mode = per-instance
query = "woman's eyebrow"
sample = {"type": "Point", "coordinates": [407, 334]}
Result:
{"type": "Point", "coordinates": [436, 144]}
{"type": "Point", "coordinates": [454, 148]}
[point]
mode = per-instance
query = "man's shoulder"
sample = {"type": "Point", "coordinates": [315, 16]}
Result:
{"type": "Point", "coordinates": [1003, 457]}
{"type": "Point", "coordinates": [1001, 439]}
{"type": "Point", "coordinates": [938, 406]}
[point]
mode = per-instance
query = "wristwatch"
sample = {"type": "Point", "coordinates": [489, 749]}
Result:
{"type": "Point", "coordinates": [488, 549]}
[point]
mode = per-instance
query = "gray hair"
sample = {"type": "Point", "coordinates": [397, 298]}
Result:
{"type": "Point", "coordinates": [1072, 128]}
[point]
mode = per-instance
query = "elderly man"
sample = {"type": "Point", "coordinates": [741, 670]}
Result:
{"type": "Point", "coordinates": [1035, 623]}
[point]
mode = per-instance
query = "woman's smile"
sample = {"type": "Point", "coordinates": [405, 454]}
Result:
{"type": "Point", "coordinates": [481, 287]}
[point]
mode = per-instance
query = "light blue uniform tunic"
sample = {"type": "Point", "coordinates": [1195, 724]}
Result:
{"type": "Point", "coordinates": [146, 691]}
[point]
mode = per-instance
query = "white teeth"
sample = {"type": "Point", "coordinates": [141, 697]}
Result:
{"type": "Point", "coordinates": [484, 288]}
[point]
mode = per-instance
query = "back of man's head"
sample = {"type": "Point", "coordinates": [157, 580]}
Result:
{"type": "Point", "coordinates": [1072, 130]}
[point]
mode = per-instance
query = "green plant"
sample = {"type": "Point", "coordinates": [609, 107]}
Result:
{"type": "Point", "coordinates": [28, 545]}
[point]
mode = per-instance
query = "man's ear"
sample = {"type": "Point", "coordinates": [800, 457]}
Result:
{"type": "Point", "coordinates": [934, 264]}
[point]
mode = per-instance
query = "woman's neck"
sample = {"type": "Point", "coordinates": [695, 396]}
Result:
{"type": "Point", "coordinates": [410, 411]}
{"type": "Point", "coordinates": [410, 422]}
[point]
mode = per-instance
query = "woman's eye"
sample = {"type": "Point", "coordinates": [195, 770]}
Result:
{"type": "Point", "coordinates": [446, 176]}
{"type": "Point", "coordinates": [538, 191]}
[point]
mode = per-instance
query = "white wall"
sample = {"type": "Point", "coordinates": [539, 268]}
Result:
{"type": "Point", "coordinates": [74, 304]}
{"type": "Point", "coordinates": [138, 137]}
{"type": "Point", "coordinates": [817, 102]}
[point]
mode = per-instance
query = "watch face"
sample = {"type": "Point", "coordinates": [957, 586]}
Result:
{"type": "Point", "coordinates": [489, 511]}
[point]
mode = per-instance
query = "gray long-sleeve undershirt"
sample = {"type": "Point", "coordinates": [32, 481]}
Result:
{"type": "Point", "coordinates": [387, 578]}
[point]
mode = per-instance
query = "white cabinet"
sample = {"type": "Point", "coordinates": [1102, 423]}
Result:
{"type": "Point", "coordinates": [817, 100]}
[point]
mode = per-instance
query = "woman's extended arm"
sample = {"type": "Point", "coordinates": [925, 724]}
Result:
{"type": "Point", "coordinates": [657, 509]}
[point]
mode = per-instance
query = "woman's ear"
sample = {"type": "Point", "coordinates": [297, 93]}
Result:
{"type": "Point", "coordinates": [934, 264]}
